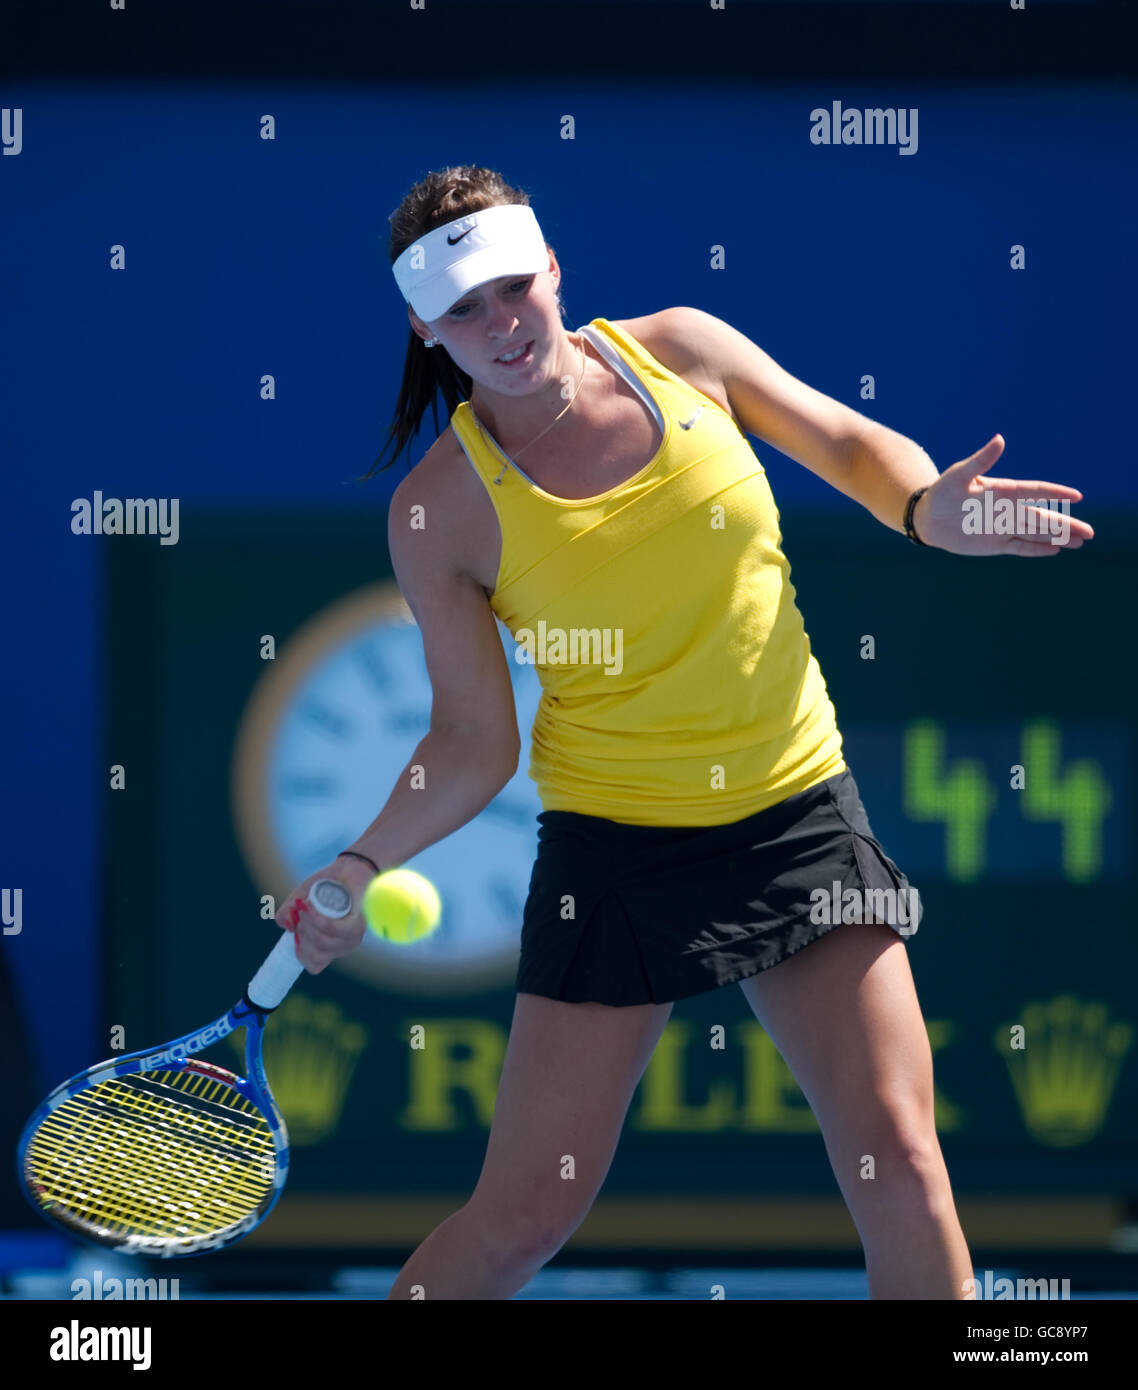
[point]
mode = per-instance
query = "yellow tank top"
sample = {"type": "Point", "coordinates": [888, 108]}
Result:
{"type": "Point", "coordinates": [678, 685]}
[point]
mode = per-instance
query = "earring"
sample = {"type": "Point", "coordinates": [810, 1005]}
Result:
{"type": "Point", "coordinates": [430, 342]}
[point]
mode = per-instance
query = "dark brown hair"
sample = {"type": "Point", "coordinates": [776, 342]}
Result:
{"type": "Point", "coordinates": [439, 198]}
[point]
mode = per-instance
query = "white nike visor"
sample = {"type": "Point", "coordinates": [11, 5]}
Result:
{"type": "Point", "coordinates": [438, 269]}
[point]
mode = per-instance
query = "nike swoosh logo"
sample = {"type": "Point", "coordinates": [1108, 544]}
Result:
{"type": "Point", "coordinates": [451, 240]}
{"type": "Point", "coordinates": [687, 424]}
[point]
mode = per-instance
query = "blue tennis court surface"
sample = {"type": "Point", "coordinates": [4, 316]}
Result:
{"type": "Point", "coordinates": [44, 1265]}
{"type": "Point", "coordinates": [579, 1284]}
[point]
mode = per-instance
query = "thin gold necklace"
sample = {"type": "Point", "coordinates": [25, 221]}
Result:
{"type": "Point", "coordinates": [509, 458]}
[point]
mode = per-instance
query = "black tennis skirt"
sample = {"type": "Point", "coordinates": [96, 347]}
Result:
{"type": "Point", "coordinates": [639, 914]}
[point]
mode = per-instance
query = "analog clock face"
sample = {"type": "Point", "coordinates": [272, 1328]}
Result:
{"type": "Point", "coordinates": [329, 730]}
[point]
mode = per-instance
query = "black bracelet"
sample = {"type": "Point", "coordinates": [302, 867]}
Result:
{"type": "Point", "coordinates": [910, 529]}
{"type": "Point", "coordinates": [351, 853]}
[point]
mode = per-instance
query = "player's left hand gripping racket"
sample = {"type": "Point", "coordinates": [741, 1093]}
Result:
{"type": "Point", "coordinates": [158, 1153]}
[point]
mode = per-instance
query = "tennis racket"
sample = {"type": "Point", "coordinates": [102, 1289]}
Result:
{"type": "Point", "coordinates": [159, 1153]}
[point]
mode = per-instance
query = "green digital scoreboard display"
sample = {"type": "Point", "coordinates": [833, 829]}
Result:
{"type": "Point", "coordinates": [1043, 798]}
{"type": "Point", "coordinates": [262, 683]}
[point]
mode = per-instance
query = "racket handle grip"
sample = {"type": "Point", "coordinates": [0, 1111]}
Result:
{"type": "Point", "coordinates": [281, 969]}
{"type": "Point", "coordinates": [277, 975]}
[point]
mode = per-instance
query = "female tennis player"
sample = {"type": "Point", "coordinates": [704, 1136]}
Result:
{"type": "Point", "coordinates": [596, 492]}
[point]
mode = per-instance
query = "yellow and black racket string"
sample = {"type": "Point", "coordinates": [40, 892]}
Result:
{"type": "Point", "coordinates": [162, 1154]}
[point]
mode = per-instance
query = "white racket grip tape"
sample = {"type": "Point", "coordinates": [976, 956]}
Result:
{"type": "Point", "coordinates": [277, 976]}
{"type": "Point", "coordinates": [281, 969]}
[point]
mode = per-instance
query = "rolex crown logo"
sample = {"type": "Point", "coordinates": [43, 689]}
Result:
{"type": "Point", "coordinates": [1064, 1064]}
{"type": "Point", "coordinates": [310, 1056]}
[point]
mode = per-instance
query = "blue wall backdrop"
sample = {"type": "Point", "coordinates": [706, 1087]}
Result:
{"type": "Point", "coordinates": [246, 256]}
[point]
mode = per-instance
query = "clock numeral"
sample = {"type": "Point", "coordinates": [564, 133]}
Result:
{"type": "Point", "coordinates": [371, 659]}
{"type": "Point", "coordinates": [505, 809]}
{"type": "Point", "coordinates": [308, 784]}
{"type": "Point", "coordinates": [1079, 800]}
{"type": "Point", "coordinates": [409, 721]}
{"type": "Point", "coordinates": [326, 718]}
{"type": "Point", "coordinates": [507, 900]}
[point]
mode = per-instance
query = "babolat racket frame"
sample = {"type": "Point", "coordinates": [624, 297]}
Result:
{"type": "Point", "coordinates": [160, 1153]}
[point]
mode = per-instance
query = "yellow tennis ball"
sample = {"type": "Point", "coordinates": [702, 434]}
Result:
{"type": "Point", "coordinates": [401, 905]}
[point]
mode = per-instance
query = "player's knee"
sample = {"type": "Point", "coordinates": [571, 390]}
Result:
{"type": "Point", "coordinates": [907, 1157]}
{"type": "Point", "coordinates": [526, 1232]}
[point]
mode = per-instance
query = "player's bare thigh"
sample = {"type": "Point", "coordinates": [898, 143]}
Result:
{"type": "Point", "coordinates": [568, 1077]}
{"type": "Point", "coordinates": [845, 1016]}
